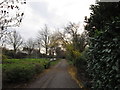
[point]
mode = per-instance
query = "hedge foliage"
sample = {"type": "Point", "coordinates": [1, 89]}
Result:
{"type": "Point", "coordinates": [104, 50]}
{"type": "Point", "coordinates": [22, 70]}
{"type": "Point", "coordinates": [104, 61]}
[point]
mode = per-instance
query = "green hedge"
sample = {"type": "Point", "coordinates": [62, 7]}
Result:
{"type": "Point", "coordinates": [104, 60]}
{"type": "Point", "coordinates": [104, 52]}
{"type": "Point", "coordinates": [19, 70]}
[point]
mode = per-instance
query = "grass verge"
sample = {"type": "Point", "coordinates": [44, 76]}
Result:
{"type": "Point", "coordinates": [21, 70]}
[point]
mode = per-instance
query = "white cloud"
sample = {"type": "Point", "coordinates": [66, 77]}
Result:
{"type": "Point", "coordinates": [54, 13]}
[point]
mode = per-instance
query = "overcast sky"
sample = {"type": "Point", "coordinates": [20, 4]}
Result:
{"type": "Point", "coordinates": [54, 13]}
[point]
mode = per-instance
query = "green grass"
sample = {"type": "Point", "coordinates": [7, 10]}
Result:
{"type": "Point", "coordinates": [25, 61]}
{"type": "Point", "coordinates": [20, 70]}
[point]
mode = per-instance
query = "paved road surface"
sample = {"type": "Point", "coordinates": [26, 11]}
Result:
{"type": "Point", "coordinates": [56, 77]}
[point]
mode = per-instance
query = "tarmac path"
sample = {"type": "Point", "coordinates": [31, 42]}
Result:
{"type": "Point", "coordinates": [56, 77]}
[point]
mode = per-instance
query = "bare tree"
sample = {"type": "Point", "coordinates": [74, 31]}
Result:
{"type": "Point", "coordinates": [15, 40]}
{"type": "Point", "coordinates": [38, 44]}
{"type": "Point", "coordinates": [56, 42]}
{"type": "Point", "coordinates": [44, 36]}
{"type": "Point", "coordinates": [72, 30]}
{"type": "Point", "coordinates": [10, 16]}
{"type": "Point", "coordinates": [83, 41]}
{"type": "Point", "coordinates": [29, 46]}
{"type": "Point", "coordinates": [79, 41]}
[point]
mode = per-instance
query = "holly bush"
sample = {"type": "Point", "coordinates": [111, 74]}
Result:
{"type": "Point", "coordinates": [104, 50]}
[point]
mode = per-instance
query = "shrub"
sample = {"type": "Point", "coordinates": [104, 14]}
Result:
{"type": "Point", "coordinates": [4, 57]}
{"type": "Point", "coordinates": [38, 68]}
{"type": "Point", "coordinates": [104, 51]}
{"type": "Point", "coordinates": [21, 70]}
{"type": "Point", "coordinates": [18, 72]}
{"type": "Point", "coordinates": [81, 60]}
{"type": "Point", "coordinates": [104, 61]}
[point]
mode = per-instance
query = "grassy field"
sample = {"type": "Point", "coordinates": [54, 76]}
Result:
{"type": "Point", "coordinates": [21, 70]}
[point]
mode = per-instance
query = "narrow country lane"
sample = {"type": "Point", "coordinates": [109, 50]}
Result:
{"type": "Point", "coordinates": [57, 77]}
